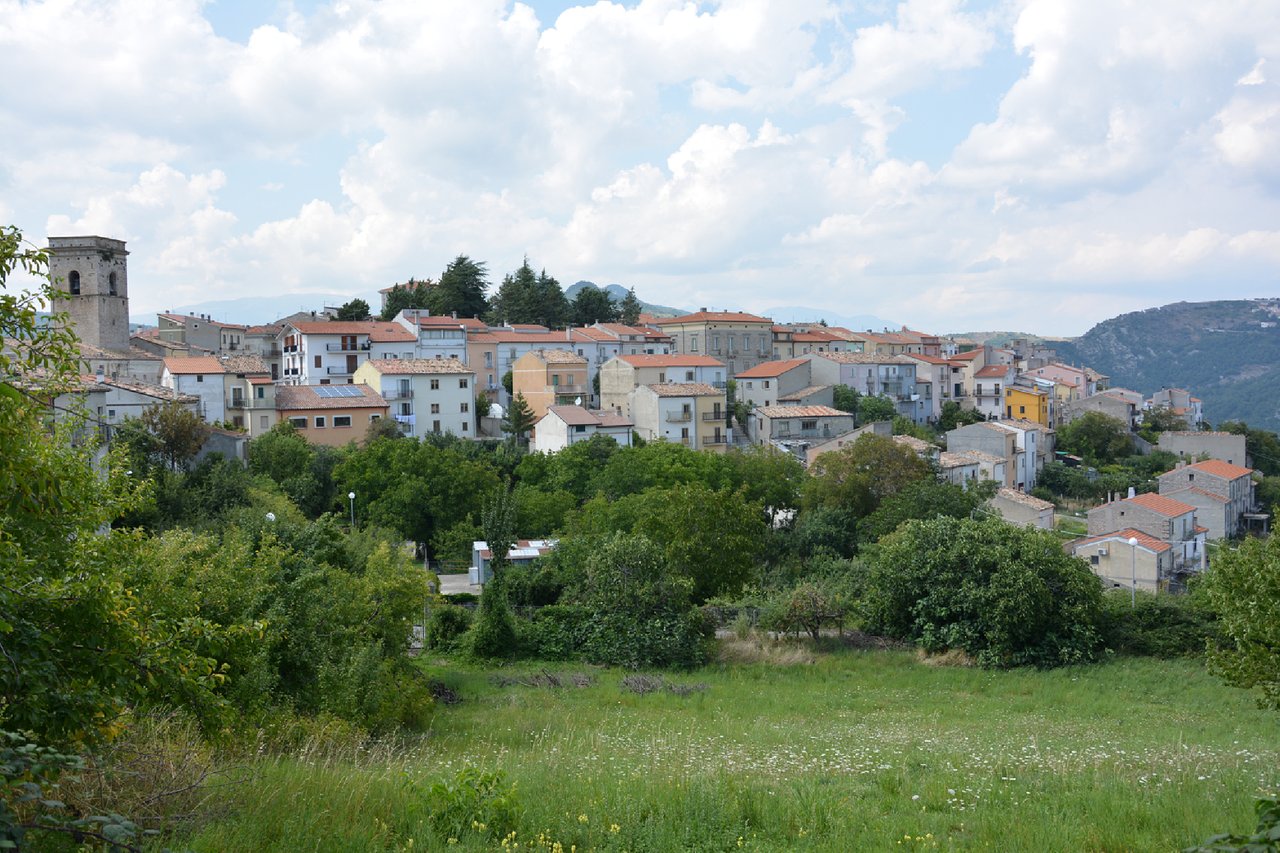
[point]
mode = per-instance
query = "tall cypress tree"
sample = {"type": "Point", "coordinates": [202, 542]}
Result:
{"type": "Point", "coordinates": [462, 287]}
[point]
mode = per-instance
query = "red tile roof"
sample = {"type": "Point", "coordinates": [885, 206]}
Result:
{"type": "Point", "coordinates": [671, 361]}
{"type": "Point", "coordinates": [713, 317]}
{"type": "Point", "coordinates": [992, 370]}
{"type": "Point", "coordinates": [1225, 470]}
{"type": "Point", "coordinates": [191, 366]}
{"type": "Point", "coordinates": [803, 412]}
{"type": "Point", "coordinates": [684, 389]}
{"type": "Point", "coordinates": [770, 369]}
{"type": "Point", "coordinates": [1160, 504]}
{"type": "Point", "coordinates": [1145, 540]}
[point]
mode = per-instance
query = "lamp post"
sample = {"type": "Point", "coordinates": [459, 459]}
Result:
{"type": "Point", "coordinates": [351, 496]}
{"type": "Point", "coordinates": [1133, 573]}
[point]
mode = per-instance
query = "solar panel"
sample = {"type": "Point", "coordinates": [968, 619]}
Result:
{"type": "Point", "coordinates": [323, 390]}
{"type": "Point", "coordinates": [331, 391]}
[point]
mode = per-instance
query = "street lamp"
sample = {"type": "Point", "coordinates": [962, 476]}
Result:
{"type": "Point", "coordinates": [351, 496]}
{"type": "Point", "coordinates": [1133, 572]}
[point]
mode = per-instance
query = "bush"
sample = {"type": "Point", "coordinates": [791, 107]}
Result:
{"type": "Point", "coordinates": [493, 633]}
{"type": "Point", "coordinates": [556, 632]}
{"type": "Point", "coordinates": [1005, 595]}
{"type": "Point", "coordinates": [446, 625]}
{"type": "Point", "coordinates": [1265, 838]}
{"type": "Point", "coordinates": [1161, 626]}
{"type": "Point", "coordinates": [1243, 588]}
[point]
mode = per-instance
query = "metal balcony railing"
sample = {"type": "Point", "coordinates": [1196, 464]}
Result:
{"type": "Point", "coordinates": [398, 394]}
{"type": "Point", "coordinates": [339, 371]}
{"type": "Point", "coordinates": [716, 415]}
{"type": "Point", "coordinates": [679, 417]}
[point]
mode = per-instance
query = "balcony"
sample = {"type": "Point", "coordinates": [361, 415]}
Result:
{"type": "Point", "coordinates": [569, 389]}
{"type": "Point", "coordinates": [710, 440]}
{"type": "Point", "coordinates": [716, 415]}
{"type": "Point", "coordinates": [339, 371]}
{"type": "Point", "coordinates": [398, 394]}
{"type": "Point", "coordinates": [719, 386]}
{"type": "Point", "coordinates": [291, 348]}
{"type": "Point", "coordinates": [679, 417]}
{"type": "Point", "coordinates": [250, 403]}
{"type": "Point", "coordinates": [345, 347]}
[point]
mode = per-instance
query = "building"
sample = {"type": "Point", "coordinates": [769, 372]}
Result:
{"type": "Point", "coordinates": [522, 553]}
{"type": "Point", "coordinates": [550, 377]}
{"type": "Point", "coordinates": [202, 377]}
{"type": "Point", "coordinates": [770, 424]}
{"type": "Point", "coordinates": [621, 375]}
{"type": "Point", "coordinates": [330, 414]}
{"type": "Point", "coordinates": [1113, 403]}
{"type": "Point", "coordinates": [1181, 403]}
{"type": "Point", "coordinates": [765, 384]}
{"type": "Point", "coordinates": [991, 439]}
{"type": "Point", "coordinates": [562, 426]}
{"type": "Point", "coordinates": [739, 340]}
{"type": "Point", "coordinates": [1197, 444]}
{"type": "Point", "coordinates": [200, 332]}
{"type": "Point", "coordinates": [329, 352]}
{"type": "Point", "coordinates": [1147, 564]}
{"type": "Point", "coordinates": [91, 284]}
{"type": "Point", "coordinates": [884, 429]}
{"type": "Point", "coordinates": [438, 337]}
{"type": "Point", "coordinates": [1028, 403]}
{"type": "Point", "coordinates": [989, 386]}
{"type": "Point", "coordinates": [1222, 493]}
{"type": "Point", "coordinates": [892, 376]}
{"type": "Point", "coordinates": [688, 413]}
{"type": "Point", "coordinates": [250, 402]}
{"type": "Point", "coordinates": [1021, 508]}
{"type": "Point", "coordinates": [424, 395]}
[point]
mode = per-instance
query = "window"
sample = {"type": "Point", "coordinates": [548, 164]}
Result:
{"type": "Point", "coordinates": [462, 383]}
{"type": "Point", "coordinates": [373, 418]}
{"type": "Point", "coordinates": [299, 423]}
{"type": "Point", "coordinates": [199, 377]}
{"type": "Point", "coordinates": [341, 421]}
{"type": "Point", "coordinates": [466, 407]}
{"type": "Point", "coordinates": [260, 392]}
{"type": "Point", "coordinates": [317, 361]}
{"type": "Point", "coordinates": [435, 408]}
{"type": "Point", "coordinates": [111, 284]}
{"type": "Point", "coordinates": [808, 425]}
{"type": "Point", "coordinates": [750, 385]}
{"type": "Point", "coordinates": [111, 413]}
{"type": "Point", "coordinates": [488, 359]}
{"type": "Point", "coordinates": [348, 342]}
{"type": "Point", "coordinates": [435, 427]}
{"type": "Point", "coordinates": [319, 421]}
{"type": "Point", "coordinates": [766, 383]}
{"type": "Point", "coordinates": [263, 421]}
{"type": "Point", "coordinates": [1093, 558]}
{"type": "Point", "coordinates": [73, 282]}
{"type": "Point", "coordinates": [693, 343]}
{"type": "Point", "coordinates": [579, 427]}
{"type": "Point", "coordinates": [662, 377]}
{"type": "Point", "coordinates": [406, 408]}
{"type": "Point", "coordinates": [324, 381]}
{"type": "Point", "coordinates": [464, 426]}
{"type": "Point", "coordinates": [435, 384]}
{"type": "Point", "coordinates": [1022, 410]}
{"type": "Point", "coordinates": [555, 379]}
{"type": "Point", "coordinates": [688, 376]}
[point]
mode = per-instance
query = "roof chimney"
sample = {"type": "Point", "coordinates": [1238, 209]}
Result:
{"type": "Point", "coordinates": [703, 310]}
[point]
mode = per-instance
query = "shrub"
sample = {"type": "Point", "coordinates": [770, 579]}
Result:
{"type": "Point", "coordinates": [1161, 626]}
{"type": "Point", "coordinates": [1265, 838]}
{"type": "Point", "coordinates": [446, 624]}
{"type": "Point", "coordinates": [474, 803]}
{"type": "Point", "coordinates": [493, 633]}
{"type": "Point", "coordinates": [1005, 595]}
{"type": "Point", "coordinates": [1243, 588]}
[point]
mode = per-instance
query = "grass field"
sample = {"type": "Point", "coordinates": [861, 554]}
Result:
{"type": "Point", "coordinates": [852, 751]}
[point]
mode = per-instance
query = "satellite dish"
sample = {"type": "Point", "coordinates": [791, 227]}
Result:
{"type": "Point", "coordinates": [577, 401]}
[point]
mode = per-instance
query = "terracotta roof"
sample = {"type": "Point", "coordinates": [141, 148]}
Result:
{"type": "Point", "coordinates": [992, 370]}
{"type": "Point", "coordinates": [1024, 499]}
{"type": "Point", "coordinates": [137, 386]}
{"type": "Point", "coordinates": [528, 327]}
{"type": "Point", "coordinates": [1023, 423]}
{"type": "Point", "coordinates": [442, 321]}
{"type": "Point", "coordinates": [928, 359]}
{"type": "Point", "coordinates": [671, 361]}
{"type": "Point", "coordinates": [713, 317]}
{"type": "Point", "coordinates": [268, 329]}
{"type": "Point", "coordinates": [294, 397]}
{"type": "Point", "coordinates": [966, 356]}
{"type": "Point", "coordinates": [770, 369]}
{"type": "Point", "coordinates": [684, 389]}
{"type": "Point", "coordinates": [918, 445]}
{"type": "Point", "coordinates": [374, 329]}
{"type": "Point", "coordinates": [260, 380]}
{"type": "Point", "coordinates": [1199, 491]}
{"type": "Point", "coordinates": [182, 318]}
{"type": "Point", "coordinates": [1145, 540]}
{"type": "Point", "coordinates": [1218, 468]}
{"type": "Point", "coordinates": [191, 366]}
{"type": "Point", "coordinates": [511, 336]}
{"type": "Point", "coordinates": [1160, 504]}
{"type": "Point", "coordinates": [418, 366]}
{"type": "Point", "coordinates": [802, 412]}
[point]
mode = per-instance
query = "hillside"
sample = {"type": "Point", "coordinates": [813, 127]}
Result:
{"type": "Point", "coordinates": [1227, 353]}
{"type": "Point", "coordinates": [617, 293]}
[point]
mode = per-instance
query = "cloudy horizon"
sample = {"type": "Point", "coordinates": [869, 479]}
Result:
{"type": "Point", "coordinates": [1038, 165]}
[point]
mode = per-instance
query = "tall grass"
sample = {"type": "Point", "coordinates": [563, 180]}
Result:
{"type": "Point", "coordinates": [855, 751]}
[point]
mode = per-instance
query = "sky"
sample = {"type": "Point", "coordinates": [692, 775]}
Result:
{"type": "Point", "coordinates": [1033, 165]}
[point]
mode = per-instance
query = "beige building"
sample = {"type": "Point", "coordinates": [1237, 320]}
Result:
{"type": "Point", "coordinates": [1147, 565]}
{"type": "Point", "coordinates": [818, 424]}
{"type": "Point", "coordinates": [740, 340]}
{"type": "Point", "coordinates": [550, 377]}
{"type": "Point", "coordinates": [1196, 444]}
{"type": "Point", "coordinates": [330, 414]}
{"type": "Point", "coordinates": [1021, 508]}
{"type": "Point", "coordinates": [623, 374]}
{"type": "Point", "coordinates": [768, 383]}
{"type": "Point", "coordinates": [1221, 492]}
{"type": "Point", "coordinates": [251, 395]}
{"type": "Point", "coordinates": [688, 413]}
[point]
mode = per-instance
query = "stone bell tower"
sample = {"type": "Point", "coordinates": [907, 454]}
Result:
{"type": "Point", "coordinates": [91, 283]}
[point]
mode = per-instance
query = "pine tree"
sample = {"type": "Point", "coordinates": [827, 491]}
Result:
{"type": "Point", "coordinates": [515, 301]}
{"type": "Point", "coordinates": [553, 308]}
{"type": "Point", "coordinates": [519, 419]}
{"type": "Point", "coordinates": [461, 289]}
{"type": "Point", "coordinates": [629, 309]}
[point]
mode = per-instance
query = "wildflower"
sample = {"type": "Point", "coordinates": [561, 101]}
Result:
{"type": "Point", "coordinates": [739, 840]}
{"type": "Point", "coordinates": [582, 818]}
{"type": "Point", "coordinates": [452, 840]}
{"type": "Point", "coordinates": [614, 829]}
{"type": "Point", "coordinates": [915, 796]}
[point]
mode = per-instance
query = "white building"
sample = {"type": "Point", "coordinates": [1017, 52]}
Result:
{"type": "Point", "coordinates": [202, 377]}
{"type": "Point", "coordinates": [426, 395]}
{"type": "Point", "coordinates": [329, 352]}
{"type": "Point", "coordinates": [562, 426]}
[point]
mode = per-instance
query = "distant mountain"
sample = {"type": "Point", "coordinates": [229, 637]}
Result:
{"type": "Point", "coordinates": [1002, 339]}
{"type": "Point", "coordinates": [852, 322]}
{"type": "Point", "coordinates": [1226, 353]}
{"type": "Point", "coordinates": [256, 310]}
{"type": "Point", "coordinates": [617, 293]}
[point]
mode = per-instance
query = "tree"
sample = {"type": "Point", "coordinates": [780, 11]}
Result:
{"type": "Point", "coordinates": [629, 309]}
{"type": "Point", "coordinates": [953, 416]}
{"type": "Point", "coordinates": [1243, 588]}
{"type": "Point", "coordinates": [1004, 595]}
{"type": "Point", "coordinates": [845, 399]}
{"type": "Point", "coordinates": [508, 381]}
{"type": "Point", "coordinates": [515, 300]}
{"type": "Point", "coordinates": [859, 476]}
{"type": "Point", "coordinates": [412, 295]}
{"type": "Point", "coordinates": [519, 419]}
{"type": "Point", "coordinates": [356, 309]}
{"type": "Point", "coordinates": [925, 499]}
{"type": "Point", "coordinates": [461, 289]}
{"type": "Point", "coordinates": [179, 432]}
{"type": "Point", "coordinates": [551, 307]}
{"type": "Point", "coordinates": [494, 633]}
{"type": "Point", "coordinates": [1100, 439]}
{"type": "Point", "coordinates": [1161, 419]}
{"type": "Point", "coordinates": [592, 305]}
{"type": "Point", "coordinates": [872, 409]}
{"type": "Point", "coordinates": [1261, 446]}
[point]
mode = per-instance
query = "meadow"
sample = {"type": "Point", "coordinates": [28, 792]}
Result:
{"type": "Point", "coordinates": [837, 750]}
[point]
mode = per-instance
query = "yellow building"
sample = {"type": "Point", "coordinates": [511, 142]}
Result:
{"type": "Point", "coordinates": [1032, 404]}
{"type": "Point", "coordinates": [550, 377]}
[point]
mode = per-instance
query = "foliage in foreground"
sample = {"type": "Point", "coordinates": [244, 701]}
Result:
{"type": "Point", "coordinates": [1264, 839]}
{"type": "Point", "coordinates": [1004, 595]}
{"type": "Point", "coordinates": [1243, 588]}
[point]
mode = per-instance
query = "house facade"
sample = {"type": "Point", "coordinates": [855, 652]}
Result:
{"type": "Point", "coordinates": [332, 415]}
{"type": "Point", "coordinates": [329, 352]}
{"type": "Point", "coordinates": [688, 413]}
{"type": "Point", "coordinates": [767, 383]}
{"type": "Point", "coordinates": [739, 340]}
{"type": "Point", "coordinates": [1224, 491]}
{"type": "Point", "coordinates": [621, 375]}
{"type": "Point", "coordinates": [202, 377]}
{"type": "Point", "coordinates": [551, 377]}
{"type": "Point", "coordinates": [563, 426]}
{"type": "Point", "coordinates": [892, 376]}
{"type": "Point", "coordinates": [424, 395]}
{"type": "Point", "coordinates": [790, 423]}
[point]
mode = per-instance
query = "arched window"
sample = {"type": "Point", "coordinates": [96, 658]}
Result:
{"type": "Point", "coordinates": [111, 283]}
{"type": "Point", "coordinates": [73, 282]}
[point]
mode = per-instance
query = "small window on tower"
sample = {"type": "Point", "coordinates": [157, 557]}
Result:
{"type": "Point", "coordinates": [73, 282]}
{"type": "Point", "coordinates": [111, 284]}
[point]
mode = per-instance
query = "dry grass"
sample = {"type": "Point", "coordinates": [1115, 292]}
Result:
{"type": "Point", "coordinates": [760, 648]}
{"type": "Point", "coordinates": [951, 657]}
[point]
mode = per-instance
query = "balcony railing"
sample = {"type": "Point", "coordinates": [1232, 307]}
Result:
{"type": "Point", "coordinates": [339, 371]}
{"type": "Point", "coordinates": [716, 415]}
{"type": "Point", "coordinates": [398, 394]}
{"type": "Point", "coordinates": [679, 417]}
{"type": "Point", "coordinates": [346, 347]}
{"type": "Point", "coordinates": [569, 389]}
{"type": "Point", "coordinates": [250, 403]}
{"type": "Point", "coordinates": [715, 439]}
{"type": "Point", "coordinates": [720, 386]}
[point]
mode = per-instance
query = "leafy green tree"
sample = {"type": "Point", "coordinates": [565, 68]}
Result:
{"type": "Point", "coordinates": [592, 305]}
{"type": "Point", "coordinates": [872, 409]}
{"type": "Point", "coordinates": [552, 308]}
{"type": "Point", "coordinates": [953, 416]}
{"type": "Point", "coordinates": [1243, 588]}
{"type": "Point", "coordinates": [629, 309]}
{"type": "Point", "coordinates": [1004, 595]}
{"type": "Point", "coordinates": [845, 399]}
{"type": "Point", "coordinates": [661, 464]}
{"type": "Point", "coordinates": [515, 299]}
{"type": "Point", "coordinates": [1100, 439]}
{"type": "Point", "coordinates": [765, 476]}
{"type": "Point", "coordinates": [1158, 420]}
{"type": "Point", "coordinates": [493, 635]}
{"type": "Point", "coordinates": [356, 309]}
{"type": "Point", "coordinates": [859, 476]}
{"type": "Point", "coordinates": [1261, 446]}
{"type": "Point", "coordinates": [412, 295]}
{"type": "Point", "coordinates": [519, 419]}
{"type": "Point", "coordinates": [178, 431]}
{"type": "Point", "coordinates": [924, 499]}
{"type": "Point", "coordinates": [462, 289]}
{"type": "Point", "coordinates": [507, 382]}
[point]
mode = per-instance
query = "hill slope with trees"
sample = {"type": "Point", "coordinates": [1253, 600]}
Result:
{"type": "Point", "coordinates": [1226, 352]}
